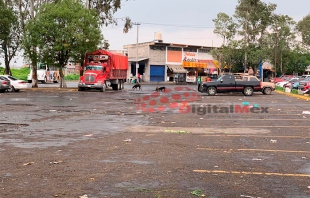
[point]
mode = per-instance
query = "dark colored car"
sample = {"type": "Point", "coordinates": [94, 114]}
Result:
{"type": "Point", "coordinates": [228, 83]}
{"type": "Point", "coordinates": [4, 84]}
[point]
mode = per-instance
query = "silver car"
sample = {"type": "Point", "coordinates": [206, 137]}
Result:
{"type": "Point", "coordinates": [4, 84]}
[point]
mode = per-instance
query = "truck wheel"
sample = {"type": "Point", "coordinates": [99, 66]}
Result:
{"type": "Point", "coordinates": [114, 86]}
{"type": "Point", "coordinates": [248, 91]}
{"type": "Point", "coordinates": [102, 89]}
{"type": "Point", "coordinates": [29, 81]}
{"type": "Point", "coordinates": [80, 89]}
{"type": "Point", "coordinates": [267, 91]}
{"type": "Point", "coordinates": [211, 91]}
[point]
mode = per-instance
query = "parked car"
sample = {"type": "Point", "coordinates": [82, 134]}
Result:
{"type": "Point", "coordinates": [295, 85]}
{"type": "Point", "coordinates": [291, 80]}
{"type": "Point", "coordinates": [302, 83]}
{"type": "Point", "coordinates": [15, 84]}
{"type": "Point", "coordinates": [4, 84]}
{"type": "Point", "coordinates": [282, 78]}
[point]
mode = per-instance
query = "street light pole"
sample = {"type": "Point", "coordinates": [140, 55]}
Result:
{"type": "Point", "coordinates": [275, 54]}
{"type": "Point", "coordinates": [137, 62]}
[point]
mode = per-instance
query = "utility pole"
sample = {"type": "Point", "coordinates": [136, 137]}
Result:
{"type": "Point", "coordinates": [275, 54]}
{"type": "Point", "coordinates": [137, 62]}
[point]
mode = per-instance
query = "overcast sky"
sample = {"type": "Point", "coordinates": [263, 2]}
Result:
{"type": "Point", "coordinates": [184, 21]}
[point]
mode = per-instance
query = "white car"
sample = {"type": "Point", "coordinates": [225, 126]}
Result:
{"type": "Point", "coordinates": [16, 84]}
{"type": "Point", "coordinates": [281, 84]}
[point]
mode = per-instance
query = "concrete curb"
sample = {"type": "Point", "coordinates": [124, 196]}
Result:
{"type": "Point", "coordinates": [307, 98]}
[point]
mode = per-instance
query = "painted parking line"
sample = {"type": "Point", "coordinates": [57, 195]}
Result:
{"type": "Point", "coordinates": [253, 150]}
{"type": "Point", "coordinates": [251, 173]}
{"type": "Point", "coordinates": [249, 135]}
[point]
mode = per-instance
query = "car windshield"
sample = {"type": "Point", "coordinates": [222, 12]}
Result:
{"type": "Point", "coordinates": [94, 67]}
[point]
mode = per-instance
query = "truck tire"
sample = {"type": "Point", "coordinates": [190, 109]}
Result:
{"type": "Point", "coordinates": [29, 81]}
{"type": "Point", "coordinates": [248, 91]}
{"type": "Point", "coordinates": [211, 91]}
{"type": "Point", "coordinates": [102, 89]}
{"type": "Point", "coordinates": [267, 91]}
{"type": "Point", "coordinates": [114, 86]}
{"type": "Point", "coordinates": [80, 89]}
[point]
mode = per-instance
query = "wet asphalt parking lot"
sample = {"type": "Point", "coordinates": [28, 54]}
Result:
{"type": "Point", "coordinates": [64, 143]}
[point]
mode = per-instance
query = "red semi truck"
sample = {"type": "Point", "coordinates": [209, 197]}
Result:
{"type": "Point", "coordinates": [101, 68]}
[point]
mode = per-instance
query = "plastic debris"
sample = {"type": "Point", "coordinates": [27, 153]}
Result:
{"type": "Point", "coordinates": [84, 196]}
{"type": "Point", "coordinates": [127, 140]}
{"type": "Point", "coordinates": [28, 163]}
{"type": "Point", "coordinates": [257, 159]}
{"type": "Point", "coordinates": [304, 116]}
{"type": "Point", "coordinates": [273, 141]}
{"type": "Point", "coordinates": [303, 158]}
{"type": "Point", "coordinates": [201, 118]}
{"type": "Point", "coordinates": [89, 135]}
{"type": "Point", "coordinates": [52, 110]}
{"type": "Point", "coordinates": [306, 112]}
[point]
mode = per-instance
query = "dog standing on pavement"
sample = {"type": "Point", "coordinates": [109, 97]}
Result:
{"type": "Point", "coordinates": [136, 87]}
{"type": "Point", "coordinates": [161, 88]}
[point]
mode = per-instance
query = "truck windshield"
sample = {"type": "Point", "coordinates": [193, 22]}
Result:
{"type": "Point", "coordinates": [94, 67]}
{"type": "Point", "coordinates": [41, 66]}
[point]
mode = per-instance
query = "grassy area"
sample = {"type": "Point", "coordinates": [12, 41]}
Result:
{"type": "Point", "coordinates": [293, 91]}
{"type": "Point", "coordinates": [72, 77]}
{"type": "Point", "coordinates": [21, 73]}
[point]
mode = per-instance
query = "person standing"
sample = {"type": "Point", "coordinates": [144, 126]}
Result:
{"type": "Point", "coordinates": [139, 77]}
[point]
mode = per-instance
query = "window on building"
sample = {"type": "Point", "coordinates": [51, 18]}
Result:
{"type": "Point", "coordinates": [189, 50]}
{"type": "Point", "coordinates": [174, 48]}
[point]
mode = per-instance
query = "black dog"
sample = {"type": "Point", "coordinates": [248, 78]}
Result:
{"type": "Point", "coordinates": [161, 89]}
{"type": "Point", "coordinates": [137, 86]}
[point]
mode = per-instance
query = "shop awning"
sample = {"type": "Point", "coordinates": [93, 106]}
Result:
{"type": "Point", "coordinates": [211, 64]}
{"type": "Point", "coordinates": [267, 66]}
{"type": "Point", "coordinates": [135, 59]}
{"type": "Point", "coordinates": [177, 68]}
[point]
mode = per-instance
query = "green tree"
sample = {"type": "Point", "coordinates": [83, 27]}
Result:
{"type": "Point", "coordinates": [303, 27]}
{"type": "Point", "coordinates": [225, 27]}
{"type": "Point", "coordinates": [61, 30]}
{"type": "Point", "coordinates": [9, 34]}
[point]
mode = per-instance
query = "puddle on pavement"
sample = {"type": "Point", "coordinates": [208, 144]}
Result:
{"type": "Point", "coordinates": [140, 162]}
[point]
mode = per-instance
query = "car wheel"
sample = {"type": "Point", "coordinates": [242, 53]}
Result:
{"type": "Point", "coordinates": [11, 89]}
{"type": "Point", "coordinates": [267, 91]}
{"type": "Point", "coordinates": [248, 91]}
{"type": "Point", "coordinates": [211, 91]}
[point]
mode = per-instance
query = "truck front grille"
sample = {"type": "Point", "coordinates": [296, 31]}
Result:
{"type": "Point", "coordinates": [89, 78]}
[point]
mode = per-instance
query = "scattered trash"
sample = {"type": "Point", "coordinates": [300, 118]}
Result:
{"type": "Point", "coordinates": [52, 110]}
{"type": "Point", "coordinates": [201, 118]}
{"type": "Point", "coordinates": [245, 103]}
{"type": "Point", "coordinates": [84, 196]}
{"type": "Point", "coordinates": [303, 158]}
{"type": "Point", "coordinates": [307, 142]}
{"type": "Point", "coordinates": [216, 166]}
{"type": "Point", "coordinates": [94, 109]}
{"type": "Point", "coordinates": [273, 141]}
{"type": "Point", "coordinates": [308, 187]}
{"type": "Point", "coordinates": [172, 122]}
{"type": "Point", "coordinates": [306, 112]}
{"type": "Point", "coordinates": [240, 99]}
{"type": "Point", "coordinates": [127, 140]}
{"type": "Point", "coordinates": [247, 196]}
{"type": "Point", "coordinates": [28, 163]}
{"type": "Point", "coordinates": [55, 162]}
{"type": "Point", "coordinates": [279, 109]}
{"type": "Point", "coordinates": [175, 131]}
{"type": "Point", "coordinates": [304, 117]}
{"type": "Point", "coordinates": [89, 135]}
{"type": "Point", "coordinates": [56, 195]}
{"type": "Point", "coordinates": [197, 192]}
{"type": "Point", "coordinates": [257, 159]}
